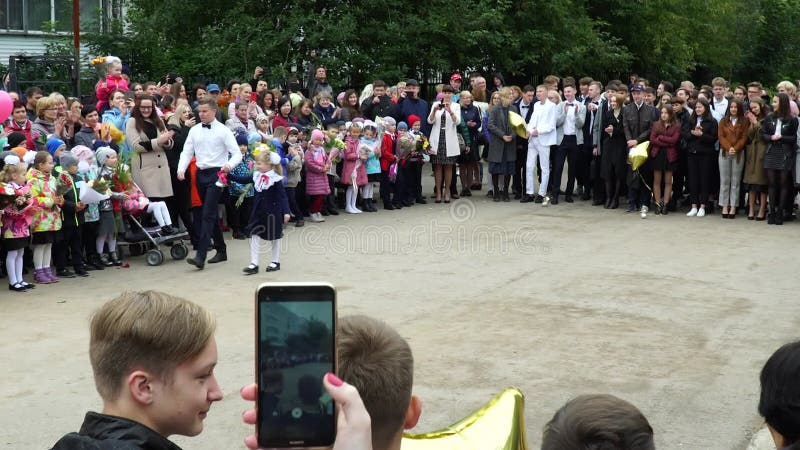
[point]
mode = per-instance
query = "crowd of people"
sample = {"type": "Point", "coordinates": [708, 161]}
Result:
{"type": "Point", "coordinates": [154, 370]}
{"type": "Point", "coordinates": [273, 156]}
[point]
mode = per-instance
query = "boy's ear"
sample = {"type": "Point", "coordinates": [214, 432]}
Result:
{"type": "Point", "coordinates": [413, 413]}
{"type": "Point", "coordinates": [139, 384]}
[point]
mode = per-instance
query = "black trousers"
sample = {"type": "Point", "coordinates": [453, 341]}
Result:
{"type": "Point", "coordinates": [701, 174]}
{"type": "Point", "coordinates": [209, 224]}
{"type": "Point", "coordinates": [412, 181]}
{"type": "Point", "coordinates": [70, 244]}
{"type": "Point", "coordinates": [519, 178]}
{"type": "Point", "coordinates": [387, 188]}
{"type": "Point", "coordinates": [583, 176]}
{"type": "Point", "coordinates": [89, 236]}
{"type": "Point", "coordinates": [567, 151]}
{"type": "Point", "coordinates": [180, 203]}
{"type": "Point", "coordinates": [238, 217]}
{"type": "Point", "coordinates": [679, 176]}
{"type": "Point", "coordinates": [291, 195]}
{"type": "Point", "coordinates": [598, 184]}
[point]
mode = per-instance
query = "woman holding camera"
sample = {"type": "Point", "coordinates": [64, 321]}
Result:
{"type": "Point", "coordinates": [444, 119]}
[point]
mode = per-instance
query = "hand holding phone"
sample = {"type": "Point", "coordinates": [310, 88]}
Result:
{"type": "Point", "coordinates": [295, 348]}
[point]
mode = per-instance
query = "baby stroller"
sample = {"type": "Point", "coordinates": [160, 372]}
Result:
{"type": "Point", "coordinates": [142, 235]}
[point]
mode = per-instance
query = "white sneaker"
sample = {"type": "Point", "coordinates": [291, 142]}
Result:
{"type": "Point", "coordinates": [701, 212]}
{"type": "Point", "coordinates": [316, 217]}
{"type": "Point", "coordinates": [693, 213]}
{"type": "Point", "coordinates": [352, 211]}
{"type": "Point", "coordinates": [644, 212]}
{"type": "Point", "coordinates": [545, 200]}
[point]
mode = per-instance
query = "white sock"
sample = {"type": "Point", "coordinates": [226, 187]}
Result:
{"type": "Point", "coordinates": [276, 250]}
{"type": "Point", "coordinates": [48, 249]}
{"type": "Point", "coordinates": [38, 256]}
{"type": "Point", "coordinates": [100, 243]}
{"type": "Point", "coordinates": [19, 265]}
{"type": "Point", "coordinates": [160, 212]}
{"type": "Point", "coordinates": [364, 192]}
{"type": "Point", "coordinates": [112, 244]}
{"type": "Point", "coordinates": [255, 246]}
{"type": "Point", "coordinates": [11, 267]}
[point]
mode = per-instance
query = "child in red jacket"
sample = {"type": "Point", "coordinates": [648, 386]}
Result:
{"type": "Point", "coordinates": [388, 151]}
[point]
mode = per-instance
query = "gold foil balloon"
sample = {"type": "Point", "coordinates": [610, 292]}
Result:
{"type": "Point", "coordinates": [518, 124]}
{"type": "Point", "coordinates": [638, 155]}
{"type": "Point", "coordinates": [499, 425]}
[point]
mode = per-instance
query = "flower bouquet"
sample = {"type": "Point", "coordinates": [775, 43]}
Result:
{"type": "Point", "coordinates": [94, 191]}
{"type": "Point", "coordinates": [64, 183]}
{"type": "Point", "coordinates": [18, 196]}
{"type": "Point", "coordinates": [334, 147]}
{"type": "Point", "coordinates": [122, 179]}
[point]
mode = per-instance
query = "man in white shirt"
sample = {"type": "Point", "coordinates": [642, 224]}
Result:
{"type": "Point", "coordinates": [719, 104]}
{"type": "Point", "coordinates": [571, 115]}
{"type": "Point", "coordinates": [214, 146]}
{"type": "Point", "coordinates": [541, 135]}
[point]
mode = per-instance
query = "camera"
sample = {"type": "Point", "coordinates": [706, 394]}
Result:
{"type": "Point", "coordinates": [441, 105]}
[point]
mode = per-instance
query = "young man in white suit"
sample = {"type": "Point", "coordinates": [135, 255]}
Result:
{"type": "Point", "coordinates": [541, 135]}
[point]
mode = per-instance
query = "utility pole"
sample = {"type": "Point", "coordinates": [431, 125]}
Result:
{"type": "Point", "coordinates": [76, 42]}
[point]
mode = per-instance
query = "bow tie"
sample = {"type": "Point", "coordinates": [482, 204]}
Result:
{"type": "Point", "coordinates": [207, 125]}
{"type": "Point", "coordinates": [264, 179]}
{"type": "Point", "coordinates": [570, 104]}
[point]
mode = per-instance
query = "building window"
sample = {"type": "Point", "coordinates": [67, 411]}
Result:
{"type": "Point", "coordinates": [47, 15]}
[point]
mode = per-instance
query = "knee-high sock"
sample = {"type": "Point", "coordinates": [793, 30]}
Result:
{"type": "Point", "coordinates": [276, 250]}
{"type": "Point", "coordinates": [20, 263]}
{"type": "Point", "coordinates": [255, 247]}
{"type": "Point", "coordinates": [48, 249]}
{"type": "Point", "coordinates": [100, 243]}
{"type": "Point", "coordinates": [112, 244]}
{"type": "Point", "coordinates": [11, 267]}
{"type": "Point", "coordinates": [38, 256]}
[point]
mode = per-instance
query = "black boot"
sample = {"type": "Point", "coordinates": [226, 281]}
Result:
{"type": "Point", "coordinates": [114, 259]}
{"type": "Point", "coordinates": [96, 262]}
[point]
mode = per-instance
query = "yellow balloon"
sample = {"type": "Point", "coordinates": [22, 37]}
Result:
{"type": "Point", "coordinates": [638, 155]}
{"type": "Point", "coordinates": [518, 123]}
{"type": "Point", "coordinates": [499, 425]}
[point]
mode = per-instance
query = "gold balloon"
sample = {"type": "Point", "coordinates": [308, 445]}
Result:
{"type": "Point", "coordinates": [518, 123]}
{"type": "Point", "coordinates": [499, 425]}
{"type": "Point", "coordinates": [638, 155]}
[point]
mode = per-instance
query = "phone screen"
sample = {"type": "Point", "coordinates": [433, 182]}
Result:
{"type": "Point", "coordinates": [295, 348]}
{"type": "Point", "coordinates": [253, 96]}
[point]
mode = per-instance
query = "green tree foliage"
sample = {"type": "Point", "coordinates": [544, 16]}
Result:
{"type": "Point", "coordinates": [359, 41]}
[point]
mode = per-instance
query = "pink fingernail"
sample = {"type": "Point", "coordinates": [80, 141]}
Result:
{"type": "Point", "coordinates": [334, 380]}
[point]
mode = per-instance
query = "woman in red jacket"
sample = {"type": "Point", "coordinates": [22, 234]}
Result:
{"type": "Point", "coordinates": [664, 138]}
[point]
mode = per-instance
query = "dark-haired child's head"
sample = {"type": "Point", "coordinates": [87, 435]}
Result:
{"type": "Point", "coordinates": [780, 395]}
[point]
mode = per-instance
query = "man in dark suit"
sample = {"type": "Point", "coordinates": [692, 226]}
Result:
{"type": "Point", "coordinates": [637, 118]}
{"type": "Point", "coordinates": [592, 184]}
{"type": "Point", "coordinates": [524, 108]}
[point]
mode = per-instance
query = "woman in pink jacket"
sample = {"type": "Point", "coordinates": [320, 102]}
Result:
{"type": "Point", "coordinates": [354, 171]}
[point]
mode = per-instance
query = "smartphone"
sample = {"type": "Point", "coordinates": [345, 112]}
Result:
{"type": "Point", "coordinates": [295, 348]}
{"type": "Point", "coordinates": [254, 97]}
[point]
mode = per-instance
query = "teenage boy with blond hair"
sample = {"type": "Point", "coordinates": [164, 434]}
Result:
{"type": "Point", "coordinates": [153, 357]}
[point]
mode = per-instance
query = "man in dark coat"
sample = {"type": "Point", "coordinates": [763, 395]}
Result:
{"type": "Point", "coordinates": [380, 104]}
{"type": "Point", "coordinates": [637, 118]}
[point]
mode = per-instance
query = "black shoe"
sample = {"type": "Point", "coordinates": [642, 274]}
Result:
{"type": "Point", "coordinates": [273, 267]}
{"type": "Point", "coordinates": [26, 285]}
{"type": "Point", "coordinates": [64, 273]}
{"type": "Point", "coordinates": [166, 230]}
{"type": "Point", "coordinates": [614, 203]}
{"type": "Point", "coordinates": [490, 193]}
{"type": "Point", "coordinates": [218, 257]}
{"type": "Point", "coordinates": [422, 201]}
{"type": "Point", "coordinates": [586, 196]}
{"type": "Point", "coordinates": [325, 212]}
{"type": "Point", "coordinates": [408, 203]}
{"type": "Point", "coordinates": [538, 199]}
{"type": "Point", "coordinates": [115, 259]}
{"type": "Point", "coordinates": [388, 206]}
{"type": "Point", "coordinates": [105, 261]}
{"type": "Point", "coordinates": [196, 262]}
{"type": "Point", "coordinates": [300, 223]}
{"type": "Point", "coordinates": [497, 198]}
{"type": "Point", "coordinates": [16, 287]}
{"type": "Point", "coordinates": [554, 200]}
{"type": "Point", "coordinates": [568, 199]}
{"type": "Point", "coordinates": [506, 198]}
{"type": "Point", "coordinates": [778, 218]}
{"type": "Point", "coordinates": [80, 271]}
{"type": "Point", "coordinates": [397, 205]}
{"type": "Point", "coordinates": [526, 199]}
{"type": "Point", "coordinates": [96, 262]}
{"type": "Point", "coordinates": [632, 208]}
{"type": "Point", "coordinates": [517, 196]}
{"type": "Point", "coordinates": [251, 269]}
{"type": "Point", "coordinates": [331, 211]}
{"type": "Point", "coordinates": [238, 236]}
{"type": "Point", "coordinates": [664, 210]}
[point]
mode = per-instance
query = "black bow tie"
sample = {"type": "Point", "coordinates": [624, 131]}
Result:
{"type": "Point", "coordinates": [207, 125]}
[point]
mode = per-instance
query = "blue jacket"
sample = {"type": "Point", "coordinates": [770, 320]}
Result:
{"type": "Point", "coordinates": [325, 115]}
{"type": "Point", "coordinates": [419, 108]}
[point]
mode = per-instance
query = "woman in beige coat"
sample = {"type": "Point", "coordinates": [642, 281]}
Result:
{"type": "Point", "coordinates": [149, 140]}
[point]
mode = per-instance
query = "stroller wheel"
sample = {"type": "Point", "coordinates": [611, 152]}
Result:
{"type": "Point", "coordinates": [154, 257]}
{"type": "Point", "coordinates": [178, 251]}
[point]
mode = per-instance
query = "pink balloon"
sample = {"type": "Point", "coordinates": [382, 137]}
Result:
{"type": "Point", "coordinates": [6, 105]}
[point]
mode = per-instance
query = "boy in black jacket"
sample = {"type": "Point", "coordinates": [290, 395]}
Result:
{"type": "Point", "coordinates": [72, 215]}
